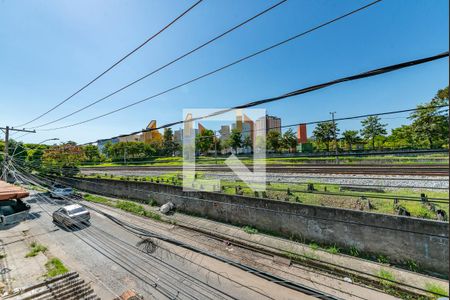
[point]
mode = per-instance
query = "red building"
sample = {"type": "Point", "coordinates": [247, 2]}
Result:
{"type": "Point", "coordinates": [302, 135]}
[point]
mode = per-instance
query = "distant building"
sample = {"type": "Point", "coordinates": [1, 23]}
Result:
{"type": "Point", "coordinates": [269, 123]}
{"type": "Point", "coordinates": [101, 143]}
{"type": "Point", "coordinates": [131, 138]}
{"type": "Point", "coordinates": [152, 135]}
{"type": "Point", "coordinates": [302, 135]}
{"type": "Point", "coordinates": [178, 136]}
{"type": "Point", "coordinates": [224, 132]}
{"type": "Point", "coordinates": [248, 128]}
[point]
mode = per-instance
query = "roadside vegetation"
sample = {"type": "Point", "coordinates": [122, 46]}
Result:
{"type": "Point", "coordinates": [436, 291]}
{"type": "Point", "coordinates": [127, 206]}
{"type": "Point", "coordinates": [35, 248]}
{"type": "Point", "coordinates": [55, 267]}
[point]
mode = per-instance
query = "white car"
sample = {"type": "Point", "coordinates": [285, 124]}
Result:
{"type": "Point", "coordinates": [71, 215]}
{"type": "Point", "coordinates": [62, 193]}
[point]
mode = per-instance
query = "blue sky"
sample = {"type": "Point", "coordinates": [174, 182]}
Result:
{"type": "Point", "coordinates": [48, 49]}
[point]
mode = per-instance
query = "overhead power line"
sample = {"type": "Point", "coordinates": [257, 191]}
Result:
{"type": "Point", "coordinates": [223, 67]}
{"type": "Point", "coordinates": [115, 64]}
{"type": "Point", "coordinates": [306, 90]}
{"type": "Point", "coordinates": [166, 65]}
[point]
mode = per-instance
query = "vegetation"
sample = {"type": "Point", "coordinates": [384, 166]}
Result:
{"type": "Point", "coordinates": [435, 290]}
{"type": "Point", "coordinates": [96, 199]}
{"type": "Point", "coordinates": [55, 267]}
{"type": "Point", "coordinates": [250, 230]}
{"type": "Point", "coordinates": [387, 277]}
{"type": "Point", "coordinates": [333, 249]}
{"type": "Point", "coordinates": [35, 249]}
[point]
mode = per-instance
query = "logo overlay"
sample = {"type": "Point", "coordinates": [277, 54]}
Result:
{"type": "Point", "coordinates": [221, 143]}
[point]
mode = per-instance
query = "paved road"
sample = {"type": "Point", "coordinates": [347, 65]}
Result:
{"type": "Point", "coordinates": [110, 257]}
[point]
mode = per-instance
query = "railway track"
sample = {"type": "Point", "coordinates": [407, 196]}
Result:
{"type": "Point", "coordinates": [405, 170]}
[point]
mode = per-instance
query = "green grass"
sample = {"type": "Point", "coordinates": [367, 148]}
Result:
{"type": "Point", "coordinates": [136, 209]}
{"type": "Point", "coordinates": [314, 246]}
{"type": "Point", "coordinates": [435, 290]}
{"type": "Point", "coordinates": [391, 159]}
{"type": "Point", "coordinates": [2, 256]}
{"type": "Point", "coordinates": [382, 259]}
{"type": "Point", "coordinates": [250, 230]}
{"type": "Point", "coordinates": [387, 277]}
{"type": "Point", "coordinates": [333, 249]}
{"type": "Point", "coordinates": [96, 199]}
{"type": "Point", "coordinates": [345, 199]}
{"type": "Point", "coordinates": [35, 249]}
{"type": "Point", "coordinates": [55, 267]}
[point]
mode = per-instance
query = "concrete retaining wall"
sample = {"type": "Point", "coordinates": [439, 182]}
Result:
{"type": "Point", "coordinates": [399, 238]}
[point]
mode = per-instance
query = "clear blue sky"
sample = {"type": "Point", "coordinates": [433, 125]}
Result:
{"type": "Point", "coordinates": [50, 48]}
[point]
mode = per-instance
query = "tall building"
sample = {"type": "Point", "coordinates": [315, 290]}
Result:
{"type": "Point", "coordinates": [302, 135]}
{"type": "Point", "coordinates": [152, 135]}
{"type": "Point", "coordinates": [178, 135]}
{"type": "Point", "coordinates": [248, 128]}
{"type": "Point", "coordinates": [269, 123]}
{"type": "Point", "coordinates": [224, 132]}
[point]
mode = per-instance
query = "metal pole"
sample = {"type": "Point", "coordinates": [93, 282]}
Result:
{"type": "Point", "coordinates": [335, 138]}
{"type": "Point", "coordinates": [215, 146]}
{"type": "Point", "coordinates": [5, 155]}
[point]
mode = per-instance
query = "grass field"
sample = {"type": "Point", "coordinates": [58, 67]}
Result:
{"type": "Point", "coordinates": [386, 159]}
{"type": "Point", "coordinates": [323, 194]}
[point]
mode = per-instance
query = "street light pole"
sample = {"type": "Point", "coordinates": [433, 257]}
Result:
{"type": "Point", "coordinates": [335, 137]}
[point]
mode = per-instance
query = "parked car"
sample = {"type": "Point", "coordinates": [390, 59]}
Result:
{"type": "Point", "coordinates": [71, 215]}
{"type": "Point", "coordinates": [61, 192]}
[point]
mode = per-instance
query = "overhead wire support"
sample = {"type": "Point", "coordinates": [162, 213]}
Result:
{"type": "Point", "coordinates": [165, 65]}
{"type": "Point", "coordinates": [226, 66]}
{"type": "Point", "coordinates": [115, 64]}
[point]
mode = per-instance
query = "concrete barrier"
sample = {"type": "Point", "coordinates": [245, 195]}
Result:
{"type": "Point", "coordinates": [400, 238]}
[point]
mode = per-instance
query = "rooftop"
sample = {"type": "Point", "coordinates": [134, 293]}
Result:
{"type": "Point", "coordinates": [9, 191]}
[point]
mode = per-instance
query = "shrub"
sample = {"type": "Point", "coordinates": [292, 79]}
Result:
{"type": "Point", "coordinates": [314, 246]}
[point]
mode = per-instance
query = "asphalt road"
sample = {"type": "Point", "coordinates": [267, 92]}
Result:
{"type": "Point", "coordinates": [111, 258]}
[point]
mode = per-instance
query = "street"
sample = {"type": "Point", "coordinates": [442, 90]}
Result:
{"type": "Point", "coordinates": [109, 256]}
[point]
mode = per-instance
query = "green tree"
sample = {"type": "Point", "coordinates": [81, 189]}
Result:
{"type": "Point", "coordinates": [430, 123]}
{"type": "Point", "coordinates": [169, 145]}
{"type": "Point", "coordinates": [274, 140]}
{"type": "Point", "coordinates": [289, 140]}
{"type": "Point", "coordinates": [92, 154]}
{"type": "Point", "coordinates": [247, 143]}
{"type": "Point", "coordinates": [372, 127]}
{"type": "Point", "coordinates": [351, 137]}
{"type": "Point", "coordinates": [324, 133]}
{"type": "Point", "coordinates": [401, 137]}
{"type": "Point", "coordinates": [235, 140]}
{"type": "Point", "coordinates": [205, 141]}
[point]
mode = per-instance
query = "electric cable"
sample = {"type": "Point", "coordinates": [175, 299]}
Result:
{"type": "Point", "coordinates": [114, 65]}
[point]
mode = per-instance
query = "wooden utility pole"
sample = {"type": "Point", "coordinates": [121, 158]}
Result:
{"type": "Point", "coordinates": [6, 130]}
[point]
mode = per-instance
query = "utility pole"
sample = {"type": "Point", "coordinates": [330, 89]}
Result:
{"type": "Point", "coordinates": [335, 137]}
{"type": "Point", "coordinates": [215, 146]}
{"type": "Point", "coordinates": [6, 130]}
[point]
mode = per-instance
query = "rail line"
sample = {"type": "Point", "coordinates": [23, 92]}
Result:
{"type": "Point", "coordinates": [391, 169]}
